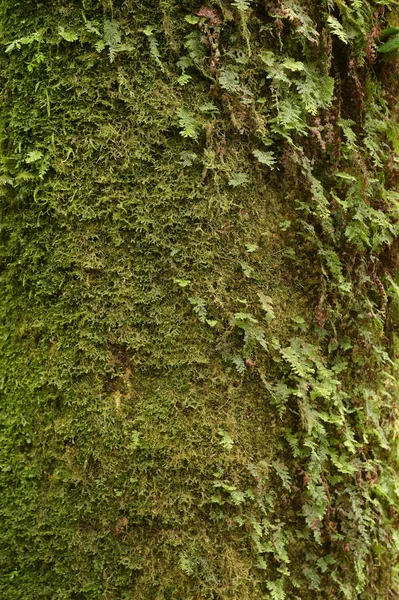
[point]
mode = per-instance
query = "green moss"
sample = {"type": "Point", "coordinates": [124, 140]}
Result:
{"type": "Point", "coordinates": [197, 370]}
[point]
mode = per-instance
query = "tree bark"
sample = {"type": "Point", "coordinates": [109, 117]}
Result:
{"type": "Point", "coordinates": [199, 219]}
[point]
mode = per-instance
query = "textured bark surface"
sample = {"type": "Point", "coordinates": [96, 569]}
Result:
{"type": "Point", "coordinates": [199, 215]}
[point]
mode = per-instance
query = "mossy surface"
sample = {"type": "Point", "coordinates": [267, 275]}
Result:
{"type": "Point", "coordinates": [198, 300]}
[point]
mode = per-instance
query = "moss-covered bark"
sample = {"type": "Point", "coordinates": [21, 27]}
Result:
{"type": "Point", "coordinates": [198, 300]}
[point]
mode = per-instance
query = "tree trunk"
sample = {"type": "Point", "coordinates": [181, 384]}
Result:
{"type": "Point", "coordinates": [199, 223]}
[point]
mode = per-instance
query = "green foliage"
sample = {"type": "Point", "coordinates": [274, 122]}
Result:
{"type": "Point", "coordinates": [253, 333]}
{"type": "Point", "coordinates": [242, 4]}
{"type": "Point", "coordinates": [225, 439]}
{"type": "Point", "coordinates": [314, 90]}
{"type": "Point", "coordinates": [238, 179]}
{"type": "Point", "coordinates": [199, 307]}
{"type": "Point", "coordinates": [198, 301]}
{"type": "Point", "coordinates": [188, 123]}
{"type": "Point", "coordinates": [154, 48]}
{"type": "Point", "coordinates": [69, 36]}
{"type": "Point", "coordinates": [26, 40]}
{"type": "Point", "coordinates": [112, 37]}
{"type": "Point", "coordinates": [302, 22]}
{"type": "Point", "coordinates": [390, 45]}
{"type": "Point", "coordinates": [266, 158]}
{"type": "Point", "coordinates": [337, 29]}
{"type": "Point", "coordinates": [228, 79]}
{"type": "Point", "coordinates": [267, 306]}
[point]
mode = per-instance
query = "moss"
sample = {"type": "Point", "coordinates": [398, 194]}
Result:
{"type": "Point", "coordinates": [150, 451]}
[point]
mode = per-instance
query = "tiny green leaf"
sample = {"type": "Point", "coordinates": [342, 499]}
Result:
{"type": "Point", "coordinates": [248, 270]}
{"type": "Point", "coordinates": [192, 19]}
{"type": "Point", "coordinates": [390, 45]}
{"type": "Point", "coordinates": [182, 282]}
{"type": "Point", "coordinates": [293, 65]}
{"type": "Point", "coordinates": [225, 440]}
{"type": "Point", "coordinates": [211, 322]}
{"type": "Point", "coordinates": [266, 158]}
{"type": "Point", "coordinates": [242, 5]}
{"type": "Point", "coordinates": [33, 156]}
{"type": "Point", "coordinates": [69, 36]}
{"type": "Point", "coordinates": [208, 107]}
{"type": "Point", "coordinates": [229, 80]}
{"type": "Point", "coordinates": [239, 364]}
{"type": "Point", "coordinates": [267, 305]}
{"type": "Point", "coordinates": [183, 79]}
{"type": "Point", "coordinates": [188, 124]}
{"type": "Point", "coordinates": [241, 317]}
{"type": "Point", "coordinates": [346, 176]}
{"type": "Point", "coordinates": [238, 179]}
{"type": "Point", "coordinates": [337, 29]}
{"type": "Point", "coordinates": [284, 225]}
{"type": "Point", "coordinates": [149, 30]}
{"type": "Point", "coordinates": [388, 32]}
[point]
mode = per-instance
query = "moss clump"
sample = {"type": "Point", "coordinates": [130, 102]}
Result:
{"type": "Point", "coordinates": [198, 299]}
